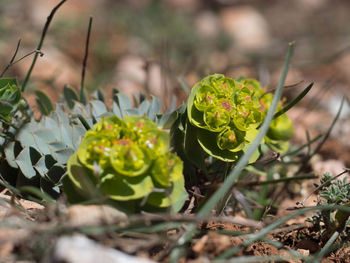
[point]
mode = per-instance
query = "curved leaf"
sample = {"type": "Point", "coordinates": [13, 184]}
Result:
{"type": "Point", "coordinates": [208, 141]}
{"type": "Point", "coordinates": [123, 188]}
{"type": "Point", "coordinates": [176, 196]}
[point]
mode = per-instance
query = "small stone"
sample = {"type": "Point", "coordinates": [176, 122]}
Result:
{"type": "Point", "coordinates": [80, 215]}
{"type": "Point", "coordinates": [78, 248]}
{"type": "Point", "coordinates": [304, 252]}
{"type": "Point", "coordinates": [331, 166]}
{"type": "Point", "coordinates": [247, 27]}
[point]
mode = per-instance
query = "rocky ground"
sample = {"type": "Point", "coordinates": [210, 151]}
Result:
{"type": "Point", "coordinates": [162, 50]}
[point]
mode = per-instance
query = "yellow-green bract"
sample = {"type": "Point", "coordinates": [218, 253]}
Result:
{"type": "Point", "coordinates": [127, 159]}
{"type": "Point", "coordinates": [227, 114]}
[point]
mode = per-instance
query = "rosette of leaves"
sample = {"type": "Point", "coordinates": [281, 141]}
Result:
{"type": "Point", "coordinates": [36, 153]}
{"type": "Point", "coordinates": [224, 116]}
{"type": "Point", "coordinates": [127, 161]}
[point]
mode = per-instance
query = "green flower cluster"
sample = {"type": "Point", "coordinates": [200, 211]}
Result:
{"type": "Point", "coordinates": [128, 159]}
{"type": "Point", "coordinates": [227, 114]}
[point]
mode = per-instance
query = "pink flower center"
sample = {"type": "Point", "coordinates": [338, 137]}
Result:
{"type": "Point", "coordinates": [226, 105]}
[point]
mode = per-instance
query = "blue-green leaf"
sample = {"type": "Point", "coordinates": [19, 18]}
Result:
{"type": "Point", "coordinates": [10, 153]}
{"type": "Point", "coordinates": [116, 110]}
{"type": "Point", "coordinates": [123, 102]}
{"type": "Point", "coordinates": [98, 108]}
{"type": "Point", "coordinates": [144, 107]}
{"type": "Point", "coordinates": [63, 155]}
{"type": "Point", "coordinates": [154, 109]}
{"type": "Point", "coordinates": [42, 137]}
{"type": "Point", "coordinates": [23, 160]}
{"type": "Point", "coordinates": [51, 125]}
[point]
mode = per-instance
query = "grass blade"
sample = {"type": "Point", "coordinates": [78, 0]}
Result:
{"type": "Point", "coordinates": [293, 102]}
{"type": "Point", "coordinates": [36, 192]}
{"type": "Point", "coordinates": [327, 247]}
{"type": "Point", "coordinates": [303, 146]}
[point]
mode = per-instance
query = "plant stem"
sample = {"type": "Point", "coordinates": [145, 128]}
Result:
{"type": "Point", "coordinates": [43, 34]}
{"type": "Point", "coordinates": [12, 59]}
{"type": "Point", "coordinates": [82, 86]}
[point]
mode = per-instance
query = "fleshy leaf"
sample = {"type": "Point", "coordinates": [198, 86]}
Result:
{"type": "Point", "coordinates": [122, 188]}
{"type": "Point", "coordinates": [175, 196]}
{"type": "Point", "coordinates": [167, 169]}
{"type": "Point", "coordinates": [208, 141]}
{"type": "Point", "coordinates": [281, 128]}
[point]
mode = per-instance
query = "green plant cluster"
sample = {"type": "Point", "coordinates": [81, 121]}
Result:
{"type": "Point", "coordinates": [35, 152]}
{"type": "Point", "coordinates": [128, 159]}
{"type": "Point", "coordinates": [10, 96]}
{"type": "Point", "coordinates": [227, 114]}
{"type": "Point", "coordinates": [11, 106]}
{"type": "Point", "coordinates": [337, 192]}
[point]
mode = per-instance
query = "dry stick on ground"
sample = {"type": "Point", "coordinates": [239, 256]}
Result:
{"type": "Point", "coordinates": [82, 85]}
{"type": "Point", "coordinates": [198, 219]}
{"type": "Point", "coordinates": [43, 34]}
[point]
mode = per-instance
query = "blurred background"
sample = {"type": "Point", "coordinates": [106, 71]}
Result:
{"type": "Point", "coordinates": [164, 47]}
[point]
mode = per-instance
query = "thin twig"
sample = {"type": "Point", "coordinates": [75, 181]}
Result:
{"type": "Point", "coordinates": [326, 183]}
{"type": "Point", "coordinates": [288, 228]}
{"type": "Point", "coordinates": [43, 34]}
{"type": "Point", "coordinates": [82, 86]}
{"type": "Point", "coordinates": [286, 86]}
{"type": "Point", "coordinates": [324, 139]}
{"type": "Point", "coordinates": [280, 180]}
{"type": "Point", "coordinates": [146, 217]}
{"type": "Point", "coordinates": [12, 59]}
{"type": "Point", "coordinates": [18, 60]}
{"type": "Point", "coordinates": [27, 55]}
